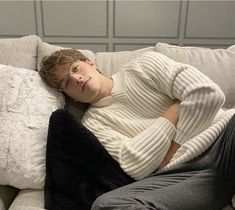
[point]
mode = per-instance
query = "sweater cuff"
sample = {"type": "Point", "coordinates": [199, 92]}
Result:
{"type": "Point", "coordinates": [180, 137]}
{"type": "Point", "coordinates": [169, 128]}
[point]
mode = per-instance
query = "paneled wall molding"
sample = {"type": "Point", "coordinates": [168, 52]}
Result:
{"type": "Point", "coordinates": [76, 24]}
{"type": "Point", "coordinates": [17, 18]}
{"type": "Point", "coordinates": [116, 25]}
{"type": "Point", "coordinates": [210, 20]}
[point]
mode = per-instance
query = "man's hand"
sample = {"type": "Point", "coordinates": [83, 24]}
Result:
{"type": "Point", "coordinates": [172, 114]}
{"type": "Point", "coordinates": [172, 150]}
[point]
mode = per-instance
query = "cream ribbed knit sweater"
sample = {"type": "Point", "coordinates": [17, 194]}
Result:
{"type": "Point", "coordinates": [129, 123]}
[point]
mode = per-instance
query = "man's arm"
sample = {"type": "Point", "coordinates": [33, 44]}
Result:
{"type": "Point", "coordinates": [200, 97]}
{"type": "Point", "coordinates": [138, 155]}
{"type": "Point", "coordinates": [172, 150]}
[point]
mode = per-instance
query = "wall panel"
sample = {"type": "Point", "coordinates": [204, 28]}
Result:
{"type": "Point", "coordinates": [74, 18]}
{"type": "Point", "coordinates": [146, 18]}
{"type": "Point", "coordinates": [211, 19]}
{"type": "Point", "coordinates": [17, 18]}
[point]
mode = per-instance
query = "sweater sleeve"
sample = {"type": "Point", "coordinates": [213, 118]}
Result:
{"type": "Point", "coordinates": [200, 97]}
{"type": "Point", "coordinates": [140, 155]}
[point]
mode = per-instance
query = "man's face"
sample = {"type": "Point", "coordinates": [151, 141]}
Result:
{"type": "Point", "coordinates": [79, 80]}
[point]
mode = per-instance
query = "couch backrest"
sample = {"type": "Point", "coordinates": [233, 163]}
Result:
{"type": "Point", "coordinates": [28, 51]}
{"type": "Point", "coordinates": [111, 62]}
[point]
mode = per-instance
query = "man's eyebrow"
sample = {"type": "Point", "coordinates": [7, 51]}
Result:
{"type": "Point", "coordinates": [67, 70]}
{"type": "Point", "coordinates": [69, 66]}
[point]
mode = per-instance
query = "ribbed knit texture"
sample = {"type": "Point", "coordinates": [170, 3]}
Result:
{"type": "Point", "coordinates": [130, 125]}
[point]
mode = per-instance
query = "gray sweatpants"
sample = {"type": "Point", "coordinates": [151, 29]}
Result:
{"type": "Point", "coordinates": [204, 183]}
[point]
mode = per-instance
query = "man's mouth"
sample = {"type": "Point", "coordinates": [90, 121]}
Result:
{"type": "Point", "coordinates": [84, 84]}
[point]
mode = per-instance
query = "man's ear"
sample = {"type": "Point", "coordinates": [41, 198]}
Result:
{"type": "Point", "coordinates": [91, 63]}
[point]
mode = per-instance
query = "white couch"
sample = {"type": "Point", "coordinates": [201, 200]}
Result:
{"type": "Point", "coordinates": [27, 52]}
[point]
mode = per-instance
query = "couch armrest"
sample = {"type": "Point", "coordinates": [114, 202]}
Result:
{"type": "Point", "coordinates": [7, 195]}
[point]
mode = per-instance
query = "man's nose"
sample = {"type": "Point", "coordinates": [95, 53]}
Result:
{"type": "Point", "coordinates": [77, 77]}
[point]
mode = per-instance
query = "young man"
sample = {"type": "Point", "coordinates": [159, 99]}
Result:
{"type": "Point", "coordinates": [161, 121]}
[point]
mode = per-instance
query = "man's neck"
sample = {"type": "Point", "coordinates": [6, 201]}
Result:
{"type": "Point", "coordinates": [106, 88]}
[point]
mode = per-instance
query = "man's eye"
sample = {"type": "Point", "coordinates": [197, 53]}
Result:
{"type": "Point", "coordinates": [75, 69]}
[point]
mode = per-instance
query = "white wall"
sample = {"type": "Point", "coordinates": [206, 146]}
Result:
{"type": "Point", "coordinates": [114, 25]}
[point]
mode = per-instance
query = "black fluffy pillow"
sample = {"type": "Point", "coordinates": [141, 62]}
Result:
{"type": "Point", "coordinates": [78, 168]}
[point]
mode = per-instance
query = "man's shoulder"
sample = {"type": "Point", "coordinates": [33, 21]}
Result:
{"type": "Point", "coordinates": [145, 57]}
{"type": "Point", "coordinates": [153, 55]}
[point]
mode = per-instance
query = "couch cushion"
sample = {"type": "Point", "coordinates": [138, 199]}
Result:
{"type": "Point", "coordinates": [34, 200]}
{"type": "Point", "coordinates": [7, 195]}
{"type": "Point", "coordinates": [111, 62]}
{"type": "Point", "coordinates": [19, 52]}
{"type": "Point", "coordinates": [218, 64]}
{"type": "Point", "coordinates": [28, 200]}
{"type": "Point", "coordinates": [25, 107]}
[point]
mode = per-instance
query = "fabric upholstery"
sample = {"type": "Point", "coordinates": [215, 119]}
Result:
{"type": "Point", "coordinates": [7, 195]}
{"type": "Point", "coordinates": [28, 200]}
{"type": "Point", "coordinates": [218, 64]}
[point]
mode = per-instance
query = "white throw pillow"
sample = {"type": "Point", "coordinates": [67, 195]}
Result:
{"type": "Point", "coordinates": [111, 62]}
{"type": "Point", "coordinates": [19, 52]}
{"type": "Point", "coordinates": [26, 104]}
{"type": "Point", "coordinates": [218, 64]}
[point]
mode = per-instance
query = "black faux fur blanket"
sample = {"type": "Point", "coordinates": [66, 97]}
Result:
{"type": "Point", "coordinates": [78, 168]}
